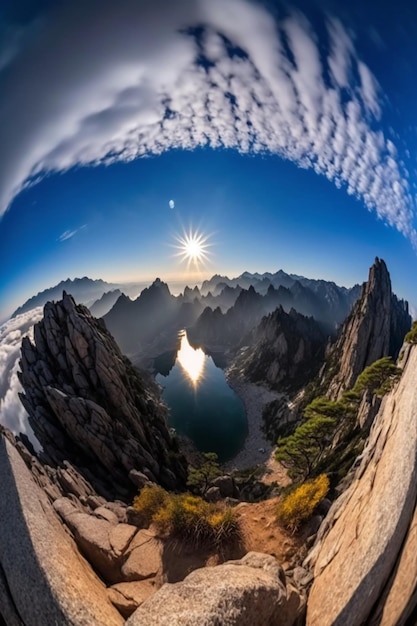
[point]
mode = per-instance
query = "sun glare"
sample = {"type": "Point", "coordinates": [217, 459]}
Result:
{"type": "Point", "coordinates": [192, 361]}
{"type": "Point", "coordinates": [193, 249]}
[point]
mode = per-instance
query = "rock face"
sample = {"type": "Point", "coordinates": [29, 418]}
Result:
{"type": "Point", "coordinates": [375, 328]}
{"type": "Point", "coordinates": [286, 351]}
{"type": "Point", "coordinates": [245, 592]}
{"type": "Point", "coordinates": [43, 579]}
{"type": "Point", "coordinates": [88, 405]}
{"type": "Point", "coordinates": [365, 565]}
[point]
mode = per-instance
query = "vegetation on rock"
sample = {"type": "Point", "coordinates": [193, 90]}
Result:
{"type": "Point", "coordinates": [329, 437]}
{"type": "Point", "coordinates": [411, 336]}
{"type": "Point", "coordinates": [379, 378]}
{"type": "Point", "coordinates": [298, 506]}
{"type": "Point", "coordinates": [199, 478]}
{"type": "Point", "coordinates": [301, 452]}
{"type": "Point", "coordinates": [188, 517]}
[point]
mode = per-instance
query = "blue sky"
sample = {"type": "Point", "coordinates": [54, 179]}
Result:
{"type": "Point", "coordinates": [284, 133]}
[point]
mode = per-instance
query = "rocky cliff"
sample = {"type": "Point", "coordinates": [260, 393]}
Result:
{"type": "Point", "coordinates": [365, 565]}
{"type": "Point", "coordinates": [286, 351]}
{"type": "Point", "coordinates": [375, 328]}
{"type": "Point", "coordinates": [88, 405]}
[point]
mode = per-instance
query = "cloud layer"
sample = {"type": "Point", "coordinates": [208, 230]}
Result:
{"type": "Point", "coordinates": [12, 413]}
{"type": "Point", "coordinates": [105, 81]}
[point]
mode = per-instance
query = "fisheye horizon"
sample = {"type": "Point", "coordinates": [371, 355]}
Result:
{"type": "Point", "coordinates": [283, 132]}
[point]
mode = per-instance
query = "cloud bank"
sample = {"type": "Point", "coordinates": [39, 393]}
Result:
{"type": "Point", "coordinates": [104, 81]}
{"type": "Point", "coordinates": [12, 413]}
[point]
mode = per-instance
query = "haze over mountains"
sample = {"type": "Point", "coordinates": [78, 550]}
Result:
{"type": "Point", "coordinates": [85, 290]}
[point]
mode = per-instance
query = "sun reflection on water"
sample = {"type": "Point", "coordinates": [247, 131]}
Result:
{"type": "Point", "coordinates": [192, 361]}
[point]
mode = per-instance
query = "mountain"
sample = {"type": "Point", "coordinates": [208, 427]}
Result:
{"type": "Point", "coordinates": [230, 329]}
{"type": "Point", "coordinates": [214, 328]}
{"type": "Point", "coordinates": [286, 351]}
{"type": "Point", "coordinates": [324, 300]}
{"type": "Point", "coordinates": [134, 321]}
{"type": "Point", "coordinates": [105, 303]}
{"type": "Point", "coordinates": [88, 405]}
{"type": "Point", "coordinates": [85, 291]}
{"type": "Point", "coordinates": [375, 328]}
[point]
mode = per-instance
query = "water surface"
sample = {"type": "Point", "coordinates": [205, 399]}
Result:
{"type": "Point", "coordinates": [202, 405]}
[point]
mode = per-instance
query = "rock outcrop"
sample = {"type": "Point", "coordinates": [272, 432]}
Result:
{"type": "Point", "coordinates": [245, 592]}
{"type": "Point", "coordinates": [365, 565]}
{"type": "Point", "coordinates": [375, 328]}
{"type": "Point", "coordinates": [43, 578]}
{"type": "Point", "coordinates": [89, 406]}
{"type": "Point", "coordinates": [286, 351]}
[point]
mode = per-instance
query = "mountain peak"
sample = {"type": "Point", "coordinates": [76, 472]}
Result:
{"type": "Point", "coordinates": [375, 328]}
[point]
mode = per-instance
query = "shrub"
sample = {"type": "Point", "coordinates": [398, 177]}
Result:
{"type": "Point", "coordinates": [298, 506]}
{"type": "Point", "coordinates": [188, 517]}
{"type": "Point", "coordinates": [411, 336]}
{"type": "Point", "coordinates": [149, 501]}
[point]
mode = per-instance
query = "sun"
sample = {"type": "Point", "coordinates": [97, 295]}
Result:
{"type": "Point", "coordinates": [193, 248]}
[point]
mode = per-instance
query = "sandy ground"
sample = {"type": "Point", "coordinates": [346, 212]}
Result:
{"type": "Point", "coordinates": [257, 449]}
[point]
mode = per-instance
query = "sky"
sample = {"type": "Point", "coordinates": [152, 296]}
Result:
{"type": "Point", "coordinates": [282, 133]}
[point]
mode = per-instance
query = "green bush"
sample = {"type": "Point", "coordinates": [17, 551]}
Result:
{"type": "Point", "coordinates": [298, 506]}
{"type": "Point", "coordinates": [301, 452]}
{"type": "Point", "coordinates": [411, 336]}
{"type": "Point", "coordinates": [199, 478]}
{"type": "Point", "coordinates": [379, 377]}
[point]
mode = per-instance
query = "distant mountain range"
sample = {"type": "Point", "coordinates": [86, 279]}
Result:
{"type": "Point", "coordinates": [84, 290]}
{"type": "Point", "coordinates": [220, 313]}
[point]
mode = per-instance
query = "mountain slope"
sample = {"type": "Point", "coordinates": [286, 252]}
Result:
{"type": "Point", "coordinates": [375, 328]}
{"type": "Point", "coordinates": [87, 404]}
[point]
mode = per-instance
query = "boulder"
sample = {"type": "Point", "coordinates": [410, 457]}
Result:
{"type": "Point", "coordinates": [102, 541]}
{"type": "Point", "coordinates": [245, 592]}
{"type": "Point", "coordinates": [226, 486]}
{"type": "Point", "coordinates": [144, 557]}
{"type": "Point", "coordinates": [127, 597]}
{"type": "Point", "coordinates": [46, 580]}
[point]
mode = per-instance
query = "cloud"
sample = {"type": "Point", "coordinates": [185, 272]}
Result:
{"type": "Point", "coordinates": [12, 413]}
{"type": "Point", "coordinates": [104, 82]}
{"type": "Point", "coordinates": [67, 234]}
{"type": "Point", "coordinates": [171, 204]}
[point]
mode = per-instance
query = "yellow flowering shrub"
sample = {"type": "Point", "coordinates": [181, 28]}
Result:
{"type": "Point", "coordinates": [187, 516]}
{"type": "Point", "coordinates": [299, 505]}
{"type": "Point", "coordinates": [149, 501]}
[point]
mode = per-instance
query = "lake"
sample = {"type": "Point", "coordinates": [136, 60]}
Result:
{"type": "Point", "coordinates": [202, 405]}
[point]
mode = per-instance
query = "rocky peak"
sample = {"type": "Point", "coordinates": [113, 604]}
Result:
{"type": "Point", "coordinates": [88, 405]}
{"type": "Point", "coordinates": [375, 328]}
{"type": "Point", "coordinates": [286, 349]}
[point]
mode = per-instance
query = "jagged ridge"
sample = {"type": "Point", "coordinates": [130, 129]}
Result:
{"type": "Point", "coordinates": [87, 404]}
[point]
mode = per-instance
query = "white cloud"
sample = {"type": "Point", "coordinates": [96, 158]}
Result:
{"type": "Point", "coordinates": [12, 413]}
{"type": "Point", "coordinates": [68, 234]}
{"type": "Point", "coordinates": [139, 89]}
{"type": "Point", "coordinates": [171, 204]}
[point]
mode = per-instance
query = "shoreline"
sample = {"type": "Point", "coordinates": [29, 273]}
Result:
{"type": "Point", "coordinates": [255, 398]}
